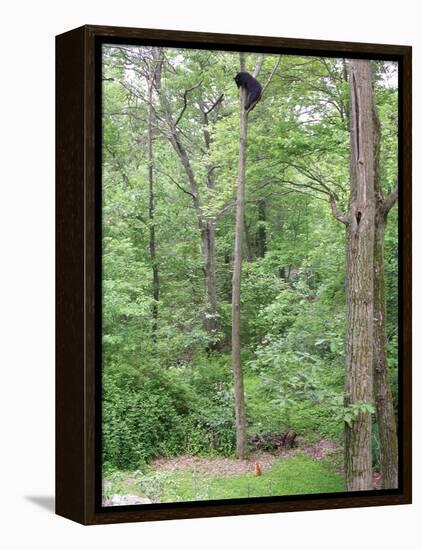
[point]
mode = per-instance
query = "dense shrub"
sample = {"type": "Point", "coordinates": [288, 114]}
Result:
{"type": "Point", "coordinates": [212, 420]}
{"type": "Point", "coordinates": [152, 411]}
{"type": "Point", "coordinates": [143, 416]}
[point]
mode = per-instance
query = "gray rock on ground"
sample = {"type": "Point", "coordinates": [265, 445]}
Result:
{"type": "Point", "coordinates": [124, 500]}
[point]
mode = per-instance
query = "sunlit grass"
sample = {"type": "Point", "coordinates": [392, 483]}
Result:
{"type": "Point", "coordinates": [293, 476]}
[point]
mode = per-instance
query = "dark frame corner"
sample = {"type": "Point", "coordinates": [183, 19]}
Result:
{"type": "Point", "coordinates": [78, 124]}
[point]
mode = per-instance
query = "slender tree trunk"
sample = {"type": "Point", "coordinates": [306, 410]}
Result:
{"type": "Point", "coordinates": [208, 251]}
{"type": "Point", "coordinates": [151, 213]}
{"type": "Point", "coordinates": [207, 230]}
{"type": "Point", "coordinates": [208, 247]}
{"type": "Point", "coordinates": [206, 225]}
{"type": "Point", "coordinates": [248, 247]}
{"type": "Point", "coordinates": [262, 232]}
{"type": "Point", "coordinates": [386, 421]}
{"type": "Point", "coordinates": [239, 393]}
{"type": "Point", "coordinates": [359, 281]}
{"type": "Point", "coordinates": [227, 284]}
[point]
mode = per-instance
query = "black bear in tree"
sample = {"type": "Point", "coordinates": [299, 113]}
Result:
{"type": "Point", "coordinates": [253, 89]}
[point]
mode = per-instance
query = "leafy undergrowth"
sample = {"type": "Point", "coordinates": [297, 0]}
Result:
{"type": "Point", "coordinates": [296, 475]}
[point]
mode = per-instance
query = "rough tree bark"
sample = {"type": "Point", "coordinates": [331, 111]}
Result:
{"type": "Point", "coordinates": [359, 278]}
{"type": "Point", "coordinates": [386, 421]}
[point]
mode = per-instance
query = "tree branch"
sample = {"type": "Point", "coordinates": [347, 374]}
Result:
{"type": "Point", "coordinates": [296, 185]}
{"type": "Point", "coordinates": [390, 200]}
{"type": "Point", "coordinates": [338, 216]}
{"type": "Point", "coordinates": [271, 76]}
{"type": "Point", "coordinates": [214, 105]}
{"type": "Point", "coordinates": [185, 102]}
{"type": "Point", "coordinates": [175, 182]}
{"type": "Point", "coordinates": [258, 65]}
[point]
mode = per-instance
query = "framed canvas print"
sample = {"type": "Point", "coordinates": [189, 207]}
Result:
{"type": "Point", "coordinates": [233, 275]}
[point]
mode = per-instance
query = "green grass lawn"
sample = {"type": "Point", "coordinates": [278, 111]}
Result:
{"type": "Point", "coordinates": [293, 476]}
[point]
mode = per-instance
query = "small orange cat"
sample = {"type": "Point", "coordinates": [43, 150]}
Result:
{"type": "Point", "coordinates": [258, 469]}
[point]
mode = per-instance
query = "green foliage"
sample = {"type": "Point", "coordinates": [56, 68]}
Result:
{"type": "Point", "coordinates": [149, 412]}
{"type": "Point", "coordinates": [143, 416]}
{"type": "Point", "coordinates": [165, 391]}
{"type": "Point", "coordinates": [375, 444]}
{"type": "Point", "coordinates": [351, 412]}
{"type": "Point", "coordinates": [213, 428]}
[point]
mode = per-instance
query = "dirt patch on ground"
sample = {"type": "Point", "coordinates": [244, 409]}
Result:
{"type": "Point", "coordinates": [320, 449]}
{"type": "Point", "coordinates": [232, 467]}
{"type": "Point", "coordinates": [220, 466]}
{"type": "Point", "coordinates": [377, 480]}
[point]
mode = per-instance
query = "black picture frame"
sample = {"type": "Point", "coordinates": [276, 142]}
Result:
{"type": "Point", "coordinates": [78, 299]}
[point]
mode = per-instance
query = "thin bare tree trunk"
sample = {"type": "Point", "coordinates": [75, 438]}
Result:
{"type": "Point", "coordinates": [151, 210]}
{"type": "Point", "coordinates": [206, 225]}
{"type": "Point", "coordinates": [262, 232]}
{"type": "Point", "coordinates": [208, 247]}
{"type": "Point", "coordinates": [359, 280]}
{"type": "Point", "coordinates": [208, 243]}
{"type": "Point", "coordinates": [239, 393]}
{"type": "Point", "coordinates": [248, 246]}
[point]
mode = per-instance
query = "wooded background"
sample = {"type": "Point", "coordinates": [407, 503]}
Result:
{"type": "Point", "coordinates": [222, 246]}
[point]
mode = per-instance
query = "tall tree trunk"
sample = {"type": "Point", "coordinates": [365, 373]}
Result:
{"type": "Point", "coordinates": [239, 393]}
{"type": "Point", "coordinates": [208, 242]}
{"type": "Point", "coordinates": [227, 284]}
{"type": "Point", "coordinates": [151, 212]}
{"type": "Point", "coordinates": [386, 421]}
{"type": "Point", "coordinates": [248, 246]}
{"type": "Point", "coordinates": [261, 238]}
{"type": "Point", "coordinates": [208, 251]}
{"type": "Point", "coordinates": [359, 280]}
{"type": "Point", "coordinates": [382, 391]}
{"type": "Point", "coordinates": [206, 225]}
